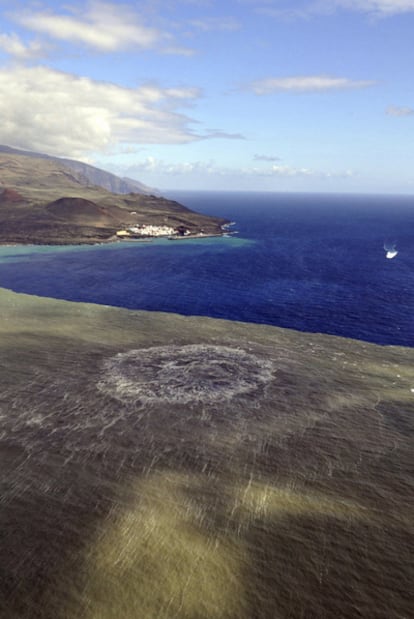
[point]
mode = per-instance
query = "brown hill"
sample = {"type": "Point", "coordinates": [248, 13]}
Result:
{"type": "Point", "coordinates": [82, 212]}
{"type": "Point", "coordinates": [45, 202]}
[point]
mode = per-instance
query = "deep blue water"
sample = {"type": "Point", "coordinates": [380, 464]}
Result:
{"type": "Point", "coordinates": [308, 262]}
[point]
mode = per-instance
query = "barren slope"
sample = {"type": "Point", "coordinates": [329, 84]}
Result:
{"type": "Point", "coordinates": [44, 201]}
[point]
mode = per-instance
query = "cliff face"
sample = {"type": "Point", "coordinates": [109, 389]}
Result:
{"type": "Point", "coordinates": [111, 182]}
{"type": "Point", "coordinates": [89, 175]}
{"type": "Point", "coordinates": [44, 201]}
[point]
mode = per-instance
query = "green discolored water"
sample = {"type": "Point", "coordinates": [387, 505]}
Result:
{"type": "Point", "coordinates": [155, 466]}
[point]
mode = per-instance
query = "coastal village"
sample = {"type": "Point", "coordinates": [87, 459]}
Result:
{"type": "Point", "coordinates": [150, 230]}
{"type": "Point", "coordinates": [146, 231]}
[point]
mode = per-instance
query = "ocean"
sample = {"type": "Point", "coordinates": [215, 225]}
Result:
{"type": "Point", "coordinates": [315, 263]}
{"type": "Point", "coordinates": [154, 465]}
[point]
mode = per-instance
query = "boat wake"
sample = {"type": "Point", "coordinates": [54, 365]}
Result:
{"type": "Point", "coordinates": [390, 250]}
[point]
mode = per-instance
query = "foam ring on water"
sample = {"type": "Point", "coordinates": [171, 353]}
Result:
{"type": "Point", "coordinates": [184, 374]}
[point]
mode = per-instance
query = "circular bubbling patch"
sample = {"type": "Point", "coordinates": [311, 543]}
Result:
{"type": "Point", "coordinates": [184, 374]}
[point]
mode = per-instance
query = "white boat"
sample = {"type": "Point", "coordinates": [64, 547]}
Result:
{"type": "Point", "coordinates": [391, 254]}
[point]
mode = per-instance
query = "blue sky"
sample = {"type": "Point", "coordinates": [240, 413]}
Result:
{"type": "Point", "coordinates": [306, 95]}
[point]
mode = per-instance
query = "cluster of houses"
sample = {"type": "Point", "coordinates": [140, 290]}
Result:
{"type": "Point", "coordinates": [147, 230]}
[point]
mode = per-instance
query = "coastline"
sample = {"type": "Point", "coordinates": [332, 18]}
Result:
{"type": "Point", "coordinates": [197, 236]}
{"type": "Point", "coordinates": [115, 239]}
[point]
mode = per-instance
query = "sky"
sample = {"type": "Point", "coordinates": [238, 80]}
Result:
{"type": "Point", "coordinates": [271, 95]}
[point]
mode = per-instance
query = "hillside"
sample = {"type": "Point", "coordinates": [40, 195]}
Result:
{"type": "Point", "coordinates": [44, 201]}
{"type": "Point", "coordinates": [88, 174]}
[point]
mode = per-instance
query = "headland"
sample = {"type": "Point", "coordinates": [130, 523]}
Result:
{"type": "Point", "coordinates": [45, 201]}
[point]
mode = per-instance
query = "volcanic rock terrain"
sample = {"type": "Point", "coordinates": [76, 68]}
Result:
{"type": "Point", "coordinates": [46, 201]}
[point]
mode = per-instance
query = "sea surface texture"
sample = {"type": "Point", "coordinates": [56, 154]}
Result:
{"type": "Point", "coordinates": [170, 465]}
{"type": "Point", "coordinates": [156, 466]}
{"type": "Point", "coordinates": [340, 265]}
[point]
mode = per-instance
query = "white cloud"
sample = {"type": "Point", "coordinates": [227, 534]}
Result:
{"type": "Point", "coordinates": [291, 10]}
{"type": "Point", "coordinates": [303, 84]}
{"type": "Point", "coordinates": [214, 134]}
{"type": "Point", "coordinates": [14, 46]}
{"type": "Point", "coordinates": [206, 24]}
{"type": "Point", "coordinates": [266, 158]}
{"type": "Point", "coordinates": [277, 170]}
{"type": "Point", "coordinates": [178, 50]}
{"type": "Point", "coordinates": [102, 26]}
{"type": "Point", "coordinates": [379, 7]}
{"type": "Point", "coordinates": [292, 171]}
{"type": "Point", "coordinates": [152, 165]}
{"type": "Point", "coordinates": [63, 114]}
{"type": "Point", "coordinates": [394, 110]}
